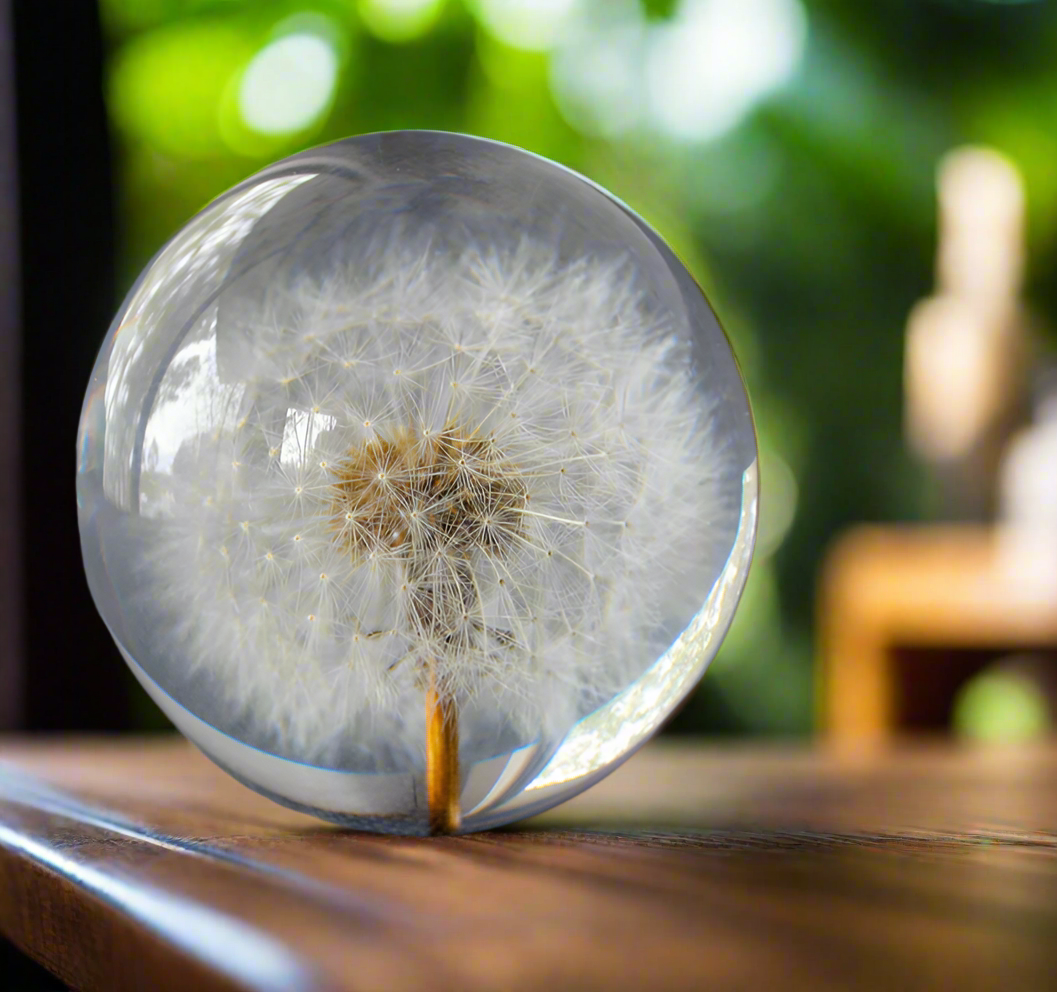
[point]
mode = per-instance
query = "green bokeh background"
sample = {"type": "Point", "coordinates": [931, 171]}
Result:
{"type": "Point", "coordinates": [810, 220]}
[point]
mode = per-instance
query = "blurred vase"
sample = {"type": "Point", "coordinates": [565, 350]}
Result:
{"type": "Point", "coordinates": [968, 345]}
{"type": "Point", "coordinates": [1028, 498]}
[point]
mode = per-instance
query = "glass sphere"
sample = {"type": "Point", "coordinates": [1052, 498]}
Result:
{"type": "Point", "coordinates": [417, 482]}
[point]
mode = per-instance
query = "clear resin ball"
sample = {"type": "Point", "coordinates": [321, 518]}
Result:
{"type": "Point", "coordinates": [417, 482]}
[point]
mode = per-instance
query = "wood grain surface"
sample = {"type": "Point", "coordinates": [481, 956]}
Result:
{"type": "Point", "coordinates": [135, 864]}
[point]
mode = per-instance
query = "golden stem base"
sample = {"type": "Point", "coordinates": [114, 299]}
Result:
{"type": "Point", "coordinates": [442, 762]}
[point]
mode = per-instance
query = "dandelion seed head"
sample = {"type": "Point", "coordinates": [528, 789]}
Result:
{"type": "Point", "coordinates": [484, 467]}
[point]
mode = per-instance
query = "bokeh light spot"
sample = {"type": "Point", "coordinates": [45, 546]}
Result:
{"type": "Point", "coordinates": [166, 86]}
{"type": "Point", "coordinates": [1000, 707]}
{"type": "Point", "coordinates": [398, 21]}
{"type": "Point", "coordinates": [532, 25]}
{"type": "Point", "coordinates": [708, 67]}
{"type": "Point", "coordinates": [779, 494]}
{"type": "Point", "coordinates": [595, 73]}
{"type": "Point", "coordinates": [288, 84]}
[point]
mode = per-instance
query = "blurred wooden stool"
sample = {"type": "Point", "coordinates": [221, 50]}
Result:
{"type": "Point", "coordinates": [886, 591]}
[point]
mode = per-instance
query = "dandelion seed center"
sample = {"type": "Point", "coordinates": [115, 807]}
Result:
{"type": "Point", "coordinates": [378, 480]}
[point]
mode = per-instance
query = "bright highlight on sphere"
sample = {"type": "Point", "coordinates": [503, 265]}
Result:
{"type": "Point", "coordinates": [288, 84]}
{"type": "Point", "coordinates": [417, 483]}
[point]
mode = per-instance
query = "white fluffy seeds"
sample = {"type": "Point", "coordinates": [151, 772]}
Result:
{"type": "Point", "coordinates": [491, 468]}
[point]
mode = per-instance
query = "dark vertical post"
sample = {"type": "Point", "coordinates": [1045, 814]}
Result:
{"type": "Point", "coordinates": [73, 676]}
{"type": "Point", "coordinates": [11, 656]}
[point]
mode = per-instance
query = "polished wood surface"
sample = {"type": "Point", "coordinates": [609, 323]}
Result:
{"type": "Point", "coordinates": [137, 865]}
{"type": "Point", "coordinates": [884, 589]}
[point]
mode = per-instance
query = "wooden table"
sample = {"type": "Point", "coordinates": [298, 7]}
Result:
{"type": "Point", "coordinates": [136, 865]}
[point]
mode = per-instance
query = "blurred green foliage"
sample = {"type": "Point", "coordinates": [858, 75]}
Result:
{"type": "Point", "coordinates": [805, 206]}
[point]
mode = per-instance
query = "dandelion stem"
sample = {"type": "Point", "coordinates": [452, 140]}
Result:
{"type": "Point", "coordinates": [442, 761]}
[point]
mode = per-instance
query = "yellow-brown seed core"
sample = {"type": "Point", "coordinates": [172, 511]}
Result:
{"type": "Point", "coordinates": [452, 491]}
{"type": "Point", "coordinates": [431, 503]}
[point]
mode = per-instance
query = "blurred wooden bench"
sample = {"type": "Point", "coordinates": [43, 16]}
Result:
{"type": "Point", "coordinates": [136, 865]}
{"type": "Point", "coordinates": [886, 590]}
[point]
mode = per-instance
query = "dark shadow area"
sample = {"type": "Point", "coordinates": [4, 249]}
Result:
{"type": "Point", "coordinates": [75, 680]}
{"type": "Point", "coordinates": [929, 680]}
{"type": "Point", "coordinates": [23, 974]}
